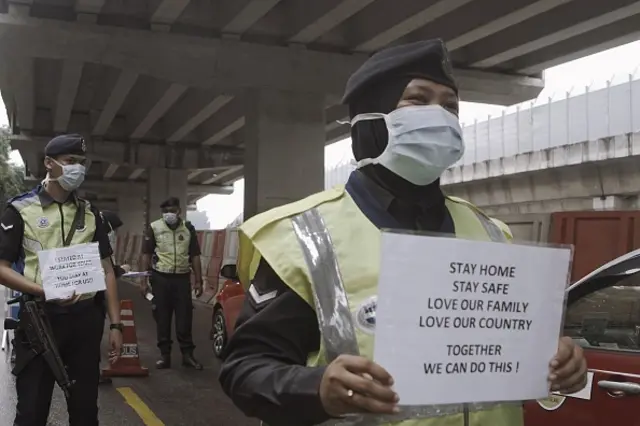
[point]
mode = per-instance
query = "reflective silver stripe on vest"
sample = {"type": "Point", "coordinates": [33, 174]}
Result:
{"type": "Point", "coordinates": [329, 295]}
{"type": "Point", "coordinates": [493, 230]}
{"type": "Point", "coordinates": [336, 322]}
{"type": "Point", "coordinates": [31, 245]}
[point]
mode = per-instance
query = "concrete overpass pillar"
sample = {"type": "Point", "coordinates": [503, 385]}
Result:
{"type": "Point", "coordinates": [284, 148]}
{"type": "Point", "coordinates": [162, 184]}
{"type": "Point", "coordinates": [132, 212]}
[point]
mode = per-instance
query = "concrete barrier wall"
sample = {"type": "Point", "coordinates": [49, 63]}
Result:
{"type": "Point", "coordinates": [528, 227]}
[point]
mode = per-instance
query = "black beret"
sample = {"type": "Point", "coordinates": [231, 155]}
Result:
{"type": "Point", "coordinates": [66, 145]}
{"type": "Point", "coordinates": [423, 59]}
{"type": "Point", "coordinates": [170, 202]}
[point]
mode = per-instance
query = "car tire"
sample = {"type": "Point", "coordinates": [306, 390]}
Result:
{"type": "Point", "coordinates": [218, 332]}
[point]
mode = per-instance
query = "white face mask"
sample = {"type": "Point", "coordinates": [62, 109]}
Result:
{"type": "Point", "coordinates": [424, 141]}
{"type": "Point", "coordinates": [71, 178]}
{"type": "Point", "coordinates": [170, 218]}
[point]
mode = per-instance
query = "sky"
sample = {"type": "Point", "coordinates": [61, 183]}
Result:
{"type": "Point", "coordinates": [614, 65]}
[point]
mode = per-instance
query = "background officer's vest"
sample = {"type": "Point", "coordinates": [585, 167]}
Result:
{"type": "Point", "coordinates": [172, 248]}
{"type": "Point", "coordinates": [43, 227]}
{"type": "Point", "coordinates": [356, 244]}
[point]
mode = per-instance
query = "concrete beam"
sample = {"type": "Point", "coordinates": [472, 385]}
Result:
{"type": "Point", "coordinates": [565, 34]}
{"type": "Point", "coordinates": [330, 20]}
{"type": "Point", "coordinates": [194, 174]}
{"type": "Point", "coordinates": [71, 75]}
{"type": "Point", "coordinates": [111, 170]}
{"type": "Point", "coordinates": [89, 6]}
{"type": "Point", "coordinates": [146, 155]}
{"type": "Point", "coordinates": [169, 98]}
{"type": "Point", "coordinates": [250, 14]}
{"type": "Point", "coordinates": [136, 174]}
{"type": "Point", "coordinates": [223, 65]}
{"type": "Point", "coordinates": [338, 133]}
{"type": "Point", "coordinates": [504, 22]}
{"type": "Point", "coordinates": [498, 89]}
{"type": "Point", "coordinates": [20, 8]}
{"type": "Point", "coordinates": [610, 44]}
{"type": "Point", "coordinates": [123, 86]}
{"type": "Point", "coordinates": [418, 20]}
{"type": "Point", "coordinates": [135, 188]}
{"type": "Point", "coordinates": [224, 175]}
{"type": "Point", "coordinates": [167, 13]}
{"type": "Point", "coordinates": [204, 114]}
{"type": "Point", "coordinates": [336, 116]}
{"type": "Point", "coordinates": [225, 132]}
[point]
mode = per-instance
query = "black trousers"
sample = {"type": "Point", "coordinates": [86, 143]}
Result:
{"type": "Point", "coordinates": [78, 332]}
{"type": "Point", "coordinates": [172, 293]}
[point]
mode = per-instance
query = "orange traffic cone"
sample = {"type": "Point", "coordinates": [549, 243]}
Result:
{"type": "Point", "coordinates": [129, 362]}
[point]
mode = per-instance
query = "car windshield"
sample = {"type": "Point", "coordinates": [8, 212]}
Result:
{"type": "Point", "coordinates": [609, 317]}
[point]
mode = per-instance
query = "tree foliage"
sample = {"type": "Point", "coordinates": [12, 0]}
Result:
{"type": "Point", "coordinates": [11, 175]}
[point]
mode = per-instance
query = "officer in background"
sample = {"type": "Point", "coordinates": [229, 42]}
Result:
{"type": "Point", "coordinates": [49, 217]}
{"type": "Point", "coordinates": [278, 366]}
{"type": "Point", "coordinates": [173, 244]}
{"type": "Point", "coordinates": [113, 222]}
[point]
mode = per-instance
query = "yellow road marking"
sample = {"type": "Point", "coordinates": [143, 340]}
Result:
{"type": "Point", "coordinates": [144, 412]}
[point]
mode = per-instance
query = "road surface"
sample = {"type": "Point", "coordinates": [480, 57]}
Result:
{"type": "Point", "coordinates": [176, 397]}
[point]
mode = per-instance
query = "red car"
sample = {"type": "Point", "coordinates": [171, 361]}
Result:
{"type": "Point", "coordinates": [228, 303]}
{"type": "Point", "coordinates": [602, 316]}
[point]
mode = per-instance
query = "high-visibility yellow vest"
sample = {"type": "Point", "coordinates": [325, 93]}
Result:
{"type": "Point", "coordinates": [172, 248]}
{"type": "Point", "coordinates": [356, 244]}
{"type": "Point", "coordinates": [505, 228]}
{"type": "Point", "coordinates": [43, 228]}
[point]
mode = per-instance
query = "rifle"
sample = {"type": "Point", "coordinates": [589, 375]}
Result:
{"type": "Point", "coordinates": [37, 328]}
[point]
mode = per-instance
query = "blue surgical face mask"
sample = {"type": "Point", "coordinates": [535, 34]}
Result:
{"type": "Point", "coordinates": [424, 141]}
{"type": "Point", "coordinates": [72, 176]}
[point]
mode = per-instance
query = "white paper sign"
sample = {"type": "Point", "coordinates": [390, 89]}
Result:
{"type": "Point", "coordinates": [71, 269]}
{"type": "Point", "coordinates": [468, 321]}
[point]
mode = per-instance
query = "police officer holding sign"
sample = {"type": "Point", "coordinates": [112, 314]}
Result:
{"type": "Point", "coordinates": [173, 244]}
{"type": "Point", "coordinates": [53, 216]}
{"type": "Point", "coordinates": [286, 362]}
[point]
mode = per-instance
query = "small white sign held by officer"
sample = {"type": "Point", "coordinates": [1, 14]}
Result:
{"type": "Point", "coordinates": [71, 269]}
{"type": "Point", "coordinates": [463, 321]}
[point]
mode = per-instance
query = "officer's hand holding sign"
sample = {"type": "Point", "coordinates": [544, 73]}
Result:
{"type": "Point", "coordinates": [355, 384]}
{"type": "Point", "coordinates": [68, 301]}
{"type": "Point", "coordinates": [568, 369]}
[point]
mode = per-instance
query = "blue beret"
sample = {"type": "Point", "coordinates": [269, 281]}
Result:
{"type": "Point", "coordinates": [66, 145]}
{"type": "Point", "coordinates": [423, 59]}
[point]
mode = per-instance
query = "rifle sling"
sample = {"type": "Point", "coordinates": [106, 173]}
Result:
{"type": "Point", "coordinates": [78, 222]}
